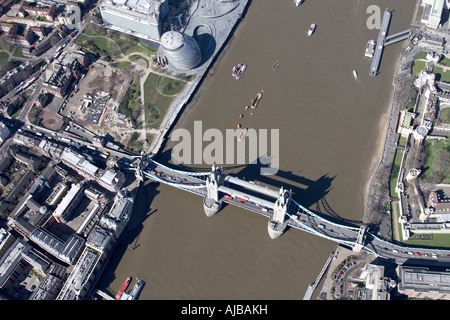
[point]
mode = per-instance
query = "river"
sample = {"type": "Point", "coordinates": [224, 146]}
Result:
{"type": "Point", "coordinates": [329, 126]}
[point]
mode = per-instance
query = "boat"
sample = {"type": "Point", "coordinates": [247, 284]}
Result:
{"type": "Point", "coordinates": [355, 74]}
{"type": "Point", "coordinates": [311, 30]}
{"type": "Point", "coordinates": [238, 70]}
{"type": "Point", "coordinates": [242, 135]}
{"type": "Point", "coordinates": [298, 2]}
{"type": "Point", "coordinates": [256, 100]}
{"type": "Point", "coordinates": [123, 288]}
{"type": "Point", "coordinates": [238, 125]}
{"type": "Point", "coordinates": [241, 116]}
{"type": "Point", "coordinates": [370, 48]}
{"type": "Point", "coordinates": [241, 71]}
{"type": "Point", "coordinates": [136, 289]}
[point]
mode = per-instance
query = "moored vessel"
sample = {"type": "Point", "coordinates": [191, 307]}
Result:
{"type": "Point", "coordinates": [370, 48]}
{"type": "Point", "coordinates": [123, 288]}
{"type": "Point", "coordinates": [136, 289]}
{"type": "Point", "coordinates": [242, 135]}
{"type": "Point", "coordinates": [311, 30]}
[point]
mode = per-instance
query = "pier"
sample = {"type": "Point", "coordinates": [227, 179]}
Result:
{"type": "Point", "coordinates": [313, 285]}
{"type": "Point", "coordinates": [385, 40]}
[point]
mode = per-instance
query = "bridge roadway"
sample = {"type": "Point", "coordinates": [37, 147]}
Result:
{"type": "Point", "coordinates": [299, 217]}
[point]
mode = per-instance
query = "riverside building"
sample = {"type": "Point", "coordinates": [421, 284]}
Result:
{"type": "Point", "coordinates": [140, 18]}
{"type": "Point", "coordinates": [181, 50]}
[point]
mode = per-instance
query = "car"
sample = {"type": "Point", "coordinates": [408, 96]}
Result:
{"type": "Point", "coordinates": [416, 254]}
{"type": "Point", "coordinates": [227, 197]}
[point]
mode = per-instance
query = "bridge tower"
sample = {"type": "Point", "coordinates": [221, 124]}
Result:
{"type": "Point", "coordinates": [277, 223]}
{"type": "Point", "coordinates": [142, 164]}
{"type": "Point", "coordinates": [211, 203]}
{"type": "Point", "coordinates": [361, 239]}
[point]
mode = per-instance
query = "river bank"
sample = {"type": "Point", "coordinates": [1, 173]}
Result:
{"type": "Point", "coordinates": [377, 186]}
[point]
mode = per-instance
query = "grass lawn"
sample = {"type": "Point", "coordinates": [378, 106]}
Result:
{"type": "Point", "coordinates": [122, 64]}
{"type": "Point", "coordinates": [431, 146]}
{"type": "Point", "coordinates": [445, 62]}
{"type": "Point", "coordinates": [157, 101]}
{"type": "Point", "coordinates": [441, 74]}
{"type": "Point", "coordinates": [418, 66]}
{"type": "Point", "coordinates": [421, 55]}
{"type": "Point", "coordinates": [4, 57]}
{"type": "Point", "coordinates": [394, 173]}
{"type": "Point", "coordinates": [136, 57]}
{"type": "Point", "coordinates": [402, 141]}
{"type": "Point", "coordinates": [429, 240]}
{"type": "Point", "coordinates": [444, 115]}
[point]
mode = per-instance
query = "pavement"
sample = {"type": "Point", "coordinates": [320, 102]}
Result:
{"type": "Point", "coordinates": [340, 254]}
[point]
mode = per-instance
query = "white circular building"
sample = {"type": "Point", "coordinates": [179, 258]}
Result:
{"type": "Point", "coordinates": [181, 51]}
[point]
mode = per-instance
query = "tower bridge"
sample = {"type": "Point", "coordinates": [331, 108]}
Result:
{"type": "Point", "coordinates": [282, 211]}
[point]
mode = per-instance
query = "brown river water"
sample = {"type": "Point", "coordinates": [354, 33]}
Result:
{"type": "Point", "coordinates": [329, 125]}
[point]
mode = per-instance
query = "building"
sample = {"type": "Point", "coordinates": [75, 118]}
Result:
{"type": "Point", "coordinates": [17, 261]}
{"type": "Point", "coordinates": [14, 77]}
{"type": "Point", "coordinates": [110, 179]}
{"type": "Point", "coordinates": [376, 285]}
{"type": "Point", "coordinates": [99, 245]}
{"type": "Point", "coordinates": [181, 51]}
{"type": "Point", "coordinates": [140, 18]}
{"type": "Point", "coordinates": [48, 13]}
{"type": "Point", "coordinates": [88, 267]}
{"type": "Point", "coordinates": [59, 81]}
{"type": "Point", "coordinates": [49, 288]}
{"type": "Point", "coordinates": [69, 203]}
{"type": "Point", "coordinates": [6, 241]}
{"type": "Point", "coordinates": [4, 132]}
{"type": "Point", "coordinates": [440, 203]}
{"type": "Point", "coordinates": [75, 61]}
{"type": "Point", "coordinates": [27, 215]}
{"type": "Point", "coordinates": [421, 282]}
{"type": "Point", "coordinates": [432, 12]}
{"type": "Point", "coordinates": [117, 218]}
{"type": "Point", "coordinates": [66, 251]}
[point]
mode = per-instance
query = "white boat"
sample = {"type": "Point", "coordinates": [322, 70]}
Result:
{"type": "Point", "coordinates": [242, 135]}
{"type": "Point", "coordinates": [370, 48]}
{"type": "Point", "coordinates": [355, 74]}
{"type": "Point", "coordinates": [298, 2]}
{"type": "Point", "coordinates": [311, 30]}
